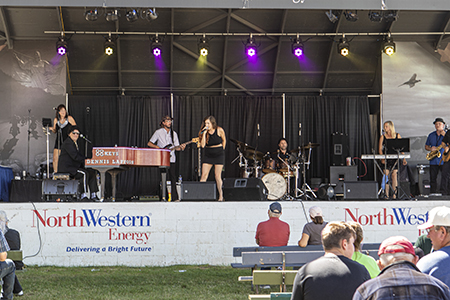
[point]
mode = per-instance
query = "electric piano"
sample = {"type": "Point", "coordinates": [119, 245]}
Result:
{"type": "Point", "coordinates": [117, 159]}
{"type": "Point", "coordinates": [385, 156]}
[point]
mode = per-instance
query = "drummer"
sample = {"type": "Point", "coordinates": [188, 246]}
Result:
{"type": "Point", "coordinates": [282, 154]}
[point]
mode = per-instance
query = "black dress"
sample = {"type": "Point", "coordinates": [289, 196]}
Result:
{"type": "Point", "coordinates": [62, 132]}
{"type": "Point", "coordinates": [215, 155]}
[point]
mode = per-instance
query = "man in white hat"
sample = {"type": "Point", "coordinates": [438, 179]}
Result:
{"type": "Point", "coordinates": [437, 263]}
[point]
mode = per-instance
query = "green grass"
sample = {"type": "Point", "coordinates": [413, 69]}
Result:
{"type": "Point", "coordinates": [196, 282]}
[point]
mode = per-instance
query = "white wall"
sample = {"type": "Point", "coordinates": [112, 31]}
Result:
{"type": "Point", "coordinates": [183, 232]}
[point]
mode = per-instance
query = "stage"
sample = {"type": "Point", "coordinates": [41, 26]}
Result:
{"type": "Point", "coordinates": [194, 232]}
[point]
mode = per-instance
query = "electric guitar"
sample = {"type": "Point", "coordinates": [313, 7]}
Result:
{"type": "Point", "coordinates": [171, 147]}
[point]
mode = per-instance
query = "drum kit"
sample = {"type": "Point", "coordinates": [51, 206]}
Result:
{"type": "Point", "coordinates": [277, 171]}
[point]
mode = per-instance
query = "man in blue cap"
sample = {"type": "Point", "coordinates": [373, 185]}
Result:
{"type": "Point", "coordinates": [273, 232]}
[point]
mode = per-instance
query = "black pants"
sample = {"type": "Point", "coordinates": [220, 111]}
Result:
{"type": "Point", "coordinates": [17, 286]}
{"type": "Point", "coordinates": [87, 177]}
{"type": "Point", "coordinates": [172, 177]}
{"type": "Point", "coordinates": [434, 171]}
{"type": "Point", "coordinates": [445, 177]}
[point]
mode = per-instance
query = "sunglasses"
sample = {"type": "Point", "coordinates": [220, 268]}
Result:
{"type": "Point", "coordinates": [76, 133]}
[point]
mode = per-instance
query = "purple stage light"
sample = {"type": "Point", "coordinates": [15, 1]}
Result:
{"type": "Point", "coordinates": [61, 51]}
{"type": "Point", "coordinates": [298, 52]}
{"type": "Point", "coordinates": [251, 51]}
{"type": "Point", "coordinates": [157, 52]}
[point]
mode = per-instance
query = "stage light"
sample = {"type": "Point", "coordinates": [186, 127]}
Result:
{"type": "Point", "coordinates": [110, 46]}
{"type": "Point", "coordinates": [203, 46]}
{"type": "Point", "coordinates": [351, 16]}
{"type": "Point", "coordinates": [250, 47]}
{"type": "Point", "coordinates": [389, 45]}
{"type": "Point", "coordinates": [375, 16]}
{"type": "Point", "coordinates": [331, 16]}
{"type": "Point", "coordinates": [156, 46]}
{"type": "Point", "coordinates": [297, 47]}
{"type": "Point", "coordinates": [132, 15]}
{"type": "Point", "coordinates": [390, 16]}
{"type": "Point", "coordinates": [112, 15]}
{"type": "Point", "coordinates": [61, 46]}
{"type": "Point", "coordinates": [343, 46]}
{"type": "Point", "coordinates": [150, 14]}
{"type": "Point", "coordinates": [91, 14]}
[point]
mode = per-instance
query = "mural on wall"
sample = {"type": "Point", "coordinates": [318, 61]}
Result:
{"type": "Point", "coordinates": [416, 89]}
{"type": "Point", "coordinates": [33, 82]}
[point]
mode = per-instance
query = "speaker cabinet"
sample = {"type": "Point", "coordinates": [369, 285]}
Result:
{"type": "Point", "coordinates": [424, 179]}
{"type": "Point", "coordinates": [244, 189]}
{"type": "Point", "coordinates": [361, 190]}
{"type": "Point", "coordinates": [339, 175]}
{"type": "Point", "coordinates": [59, 190]}
{"type": "Point", "coordinates": [26, 191]}
{"type": "Point", "coordinates": [198, 191]}
{"type": "Point", "coordinates": [340, 148]}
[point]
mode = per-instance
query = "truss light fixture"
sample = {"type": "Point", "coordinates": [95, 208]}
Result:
{"type": "Point", "coordinates": [150, 14]}
{"type": "Point", "coordinates": [250, 47]}
{"type": "Point", "coordinates": [343, 46]}
{"type": "Point", "coordinates": [110, 46]}
{"type": "Point", "coordinates": [91, 14]}
{"type": "Point", "coordinates": [112, 15]}
{"type": "Point", "coordinates": [156, 46]}
{"type": "Point", "coordinates": [389, 45]}
{"type": "Point", "coordinates": [61, 46]}
{"type": "Point", "coordinates": [297, 47]}
{"type": "Point", "coordinates": [390, 16]}
{"type": "Point", "coordinates": [351, 15]}
{"type": "Point", "coordinates": [375, 16]}
{"type": "Point", "coordinates": [331, 16]}
{"type": "Point", "coordinates": [132, 15]}
{"type": "Point", "coordinates": [203, 46]}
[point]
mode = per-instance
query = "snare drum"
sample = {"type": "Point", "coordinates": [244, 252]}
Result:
{"type": "Point", "coordinates": [285, 172]}
{"type": "Point", "coordinates": [269, 166]}
{"type": "Point", "coordinates": [276, 185]}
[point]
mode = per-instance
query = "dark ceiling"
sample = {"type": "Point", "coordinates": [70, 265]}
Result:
{"type": "Point", "coordinates": [134, 70]}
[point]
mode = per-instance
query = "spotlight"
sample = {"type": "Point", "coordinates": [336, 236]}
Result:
{"type": "Point", "coordinates": [132, 15]}
{"type": "Point", "coordinates": [389, 45]}
{"type": "Point", "coordinates": [91, 14]}
{"type": "Point", "coordinates": [390, 16]}
{"type": "Point", "coordinates": [112, 15]}
{"type": "Point", "coordinates": [375, 16]}
{"type": "Point", "coordinates": [203, 46]}
{"type": "Point", "coordinates": [297, 47]}
{"type": "Point", "coordinates": [332, 17]}
{"type": "Point", "coordinates": [351, 16]}
{"type": "Point", "coordinates": [250, 47]}
{"type": "Point", "coordinates": [150, 14]}
{"type": "Point", "coordinates": [156, 46]}
{"type": "Point", "coordinates": [110, 46]}
{"type": "Point", "coordinates": [61, 46]}
{"type": "Point", "coordinates": [343, 46]}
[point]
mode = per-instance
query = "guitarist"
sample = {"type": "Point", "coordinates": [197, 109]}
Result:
{"type": "Point", "coordinates": [434, 140]}
{"type": "Point", "coordinates": [165, 137]}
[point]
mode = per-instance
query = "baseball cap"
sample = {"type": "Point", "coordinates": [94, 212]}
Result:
{"type": "Point", "coordinates": [72, 128]}
{"type": "Point", "coordinates": [406, 245]}
{"type": "Point", "coordinates": [275, 207]}
{"type": "Point", "coordinates": [437, 216]}
{"type": "Point", "coordinates": [3, 216]}
{"type": "Point", "coordinates": [315, 211]}
{"type": "Point", "coordinates": [439, 120]}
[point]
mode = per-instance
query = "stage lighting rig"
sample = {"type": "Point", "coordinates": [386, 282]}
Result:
{"type": "Point", "coordinates": [390, 16]}
{"type": "Point", "coordinates": [132, 15]}
{"type": "Point", "coordinates": [91, 14]}
{"type": "Point", "coordinates": [112, 15]}
{"type": "Point", "coordinates": [351, 15]}
{"type": "Point", "coordinates": [331, 16]}
{"type": "Point", "coordinates": [156, 46]}
{"type": "Point", "coordinates": [149, 14]}
{"type": "Point", "coordinates": [250, 47]}
{"type": "Point", "coordinates": [343, 46]}
{"type": "Point", "coordinates": [297, 47]}
{"type": "Point", "coordinates": [61, 46]}
{"type": "Point", "coordinates": [375, 16]}
{"type": "Point", "coordinates": [203, 46]}
{"type": "Point", "coordinates": [389, 45]}
{"type": "Point", "coordinates": [109, 46]}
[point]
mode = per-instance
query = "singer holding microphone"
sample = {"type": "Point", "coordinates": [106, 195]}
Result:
{"type": "Point", "coordinates": [213, 140]}
{"type": "Point", "coordinates": [61, 125]}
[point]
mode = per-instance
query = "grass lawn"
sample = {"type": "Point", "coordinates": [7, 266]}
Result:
{"type": "Point", "coordinates": [175, 282]}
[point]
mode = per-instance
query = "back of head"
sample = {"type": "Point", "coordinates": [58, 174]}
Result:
{"type": "Point", "coordinates": [359, 234]}
{"type": "Point", "coordinates": [396, 248]}
{"type": "Point", "coordinates": [334, 233]}
{"type": "Point", "coordinates": [275, 210]}
{"type": "Point", "coordinates": [315, 213]}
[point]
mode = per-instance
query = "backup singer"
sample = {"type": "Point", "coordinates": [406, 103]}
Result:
{"type": "Point", "coordinates": [434, 140]}
{"type": "Point", "coordinates": [213, 140]}
{"type": "Point", "coordinates": [61, 125]}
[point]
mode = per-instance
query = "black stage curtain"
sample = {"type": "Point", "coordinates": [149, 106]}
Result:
{"type": "Point", "coordinates": [131, 120]}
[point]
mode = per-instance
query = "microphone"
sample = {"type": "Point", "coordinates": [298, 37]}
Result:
{"type": "Point", "coordinates": [85, 138]}
{"type": "Point", "coordinates": [55, 108]}
{"type": "Point", "coordinates": [206, 128]}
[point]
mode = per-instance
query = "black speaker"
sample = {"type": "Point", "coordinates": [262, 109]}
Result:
{"type": "Point", "coordinates": [340, 148]}
{"type": "Point", "coordinates": [59, 190]}
{"type": "Point", "coordinates": [26, 191]}
{"type": "Point", "coordinates": [361, 190]}
{"type": "Point", "coordinates": [424, 179]}
{"type": "Point", "coordinates": [244, 189]}
{"type": "Point", "coordinates": [338, 175]}
{"type": "Point", "coordinates": [198, 191]}
{"type": "Point", "coordinates": [405, 190]}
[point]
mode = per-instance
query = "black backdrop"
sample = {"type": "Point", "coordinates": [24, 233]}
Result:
{"type": "Point", "coordinates": [131, 120]}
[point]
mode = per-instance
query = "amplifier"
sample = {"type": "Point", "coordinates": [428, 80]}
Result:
{"type": "Point", "coordinates": [244, 189]}
{"type": "Point", "coordinates": [361, 190]}
{"type": "Point", "coordinates": [65, 190]}
{"type": "Point", "coordinates": [198, 191]}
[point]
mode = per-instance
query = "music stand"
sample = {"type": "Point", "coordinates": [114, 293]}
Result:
{"type": "Point", "coordinates": [395, 146]}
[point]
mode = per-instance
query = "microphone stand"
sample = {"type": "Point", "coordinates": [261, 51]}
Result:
{"type": "Point", "coordinates": [29, 135]}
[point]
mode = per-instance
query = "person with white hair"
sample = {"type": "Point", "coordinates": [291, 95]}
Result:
{"type": "Point", "coordinates": [399, 277]}
{"type": "Point", "coordinates": [312, 231]}
{"type": "Point", "coordinates": [273, 232]}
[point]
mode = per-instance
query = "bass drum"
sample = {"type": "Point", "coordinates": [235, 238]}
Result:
{"type": "Point", "coordinates": [276, 185]}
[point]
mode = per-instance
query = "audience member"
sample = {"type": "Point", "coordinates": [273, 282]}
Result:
{"type": "Point", "coordinates": [400, 278]}
{"type": "Point", "coordinates": [437, 263]}
{"type": "Point", "coordinates": [424, 243]}
{"type": "Point", "coordinates": [12, 236]}
{"type": "Point", "coordinates": [419, 252]}
{"type": "Point", "coordinates": [273, 232]}
{"type": "Point", "coordinates": [7, 269]}
{"type": "Point", "coordinates": [312, 231]}
{"type": "Point", "coordinates": [366, 260]}
{"type": "Point", "coordinates": [333, 276]}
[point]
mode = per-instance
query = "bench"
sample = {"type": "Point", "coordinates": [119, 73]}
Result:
{"type": "Point", "coordinates": [280, 296]}
{"type": "Point", "coordinates": [271, 277]}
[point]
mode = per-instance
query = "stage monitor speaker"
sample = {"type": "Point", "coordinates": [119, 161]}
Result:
{"type": "Point", "coordinates": [339, 175]}
{"type": "Point", "coordinates": [361, 190]}
{"type": "Point", "coordinates": [340, 148]}
{"type": "Point", "coordinates": [59, 190]}
{"type": "Point", "coordinates": [424, 179]}
{"type": "Point", "coordinates": [244, 189]}
{"type": "Point", "coordinates": [198, 191]}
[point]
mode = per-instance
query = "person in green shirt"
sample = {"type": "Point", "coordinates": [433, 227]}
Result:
{"type": "Point", "coordinates": [424, 243]}
{"type": "Point", "coordinates": [366, 260]}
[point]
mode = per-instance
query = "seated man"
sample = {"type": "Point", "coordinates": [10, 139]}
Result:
{"type": "Point", "coordinates": [7, 269]}
{"type": "Point", "coordinates": [400, 278]}
{"type": "Point", "coordinates": [71, 160]}
{"type": "Point", "coordinates": [335, 275]}
{"type": "Point", "coordinates": [273, 232]}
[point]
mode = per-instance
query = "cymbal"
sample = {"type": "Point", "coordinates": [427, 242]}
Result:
{"type": "Point", "coordinates": [242, 144]}
{"type": "Point", "coordinates": [296, 150]}
{"type": "Point", "coordinates": [251, 153]}
{"type": "Point", "coordinates": [310, 145]}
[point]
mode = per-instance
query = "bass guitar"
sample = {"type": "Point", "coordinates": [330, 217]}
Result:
{"type": "Point", "coordinates": [171, 147]}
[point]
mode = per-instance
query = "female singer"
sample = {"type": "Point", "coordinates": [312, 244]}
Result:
{"type": "Point", "coordinates": [61, 128]}
{"type": "Point", "coordinates": [389, 133]}
{"type": "Point", "coordinates": [212, 139]}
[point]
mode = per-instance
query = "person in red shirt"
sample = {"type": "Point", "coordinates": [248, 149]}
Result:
{"type": "Point", "coordinates": [273, 232]}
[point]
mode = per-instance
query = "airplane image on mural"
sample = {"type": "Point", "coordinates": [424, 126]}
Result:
{"type": "Point", "coordinates": [411, 82]}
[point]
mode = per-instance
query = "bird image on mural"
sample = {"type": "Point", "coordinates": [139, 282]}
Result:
{"type": "Point", "coordinates": [411, 82]}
